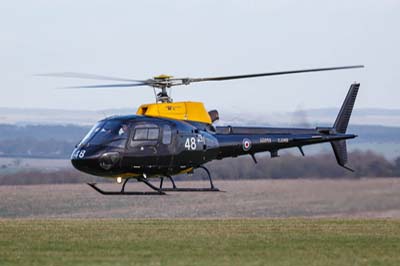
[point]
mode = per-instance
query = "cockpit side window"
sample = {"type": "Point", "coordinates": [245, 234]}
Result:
{"type": "Point", "coordinates": [146, 132]}
{"type": "Point", "coordinates": [140, 134]}
{"type": "Point", "coordinates": [153, 134]}
{"type": "Point", "coordinates": [167, 134]}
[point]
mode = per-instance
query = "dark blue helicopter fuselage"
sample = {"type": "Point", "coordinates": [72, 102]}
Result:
{"type": "Point", "coordinates": [130, 146]}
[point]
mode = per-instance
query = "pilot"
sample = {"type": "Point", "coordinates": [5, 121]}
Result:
{"type": "Point", "coordinates": [123, 131]}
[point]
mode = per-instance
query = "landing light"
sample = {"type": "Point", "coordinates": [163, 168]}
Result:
{"type": "Point", "coordinates": [119, 180]}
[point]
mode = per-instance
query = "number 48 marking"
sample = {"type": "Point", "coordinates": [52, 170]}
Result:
{"type": "Point", "coordinates": [190, 144]}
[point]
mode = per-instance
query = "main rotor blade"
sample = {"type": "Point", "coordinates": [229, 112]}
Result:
{"type": "Point", "coordinates": [86, 76]}
{"type": "Point", "coordinates": [125, 85]}
{"type": "Point", "coordinates": [189, 80]}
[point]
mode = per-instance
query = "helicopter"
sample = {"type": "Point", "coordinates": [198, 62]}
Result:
{"type": "Point", "coordinates": [167, 138]}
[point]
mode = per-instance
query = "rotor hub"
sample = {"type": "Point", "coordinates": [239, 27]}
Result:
{"type": "Point", "coordinates": [163, 82]}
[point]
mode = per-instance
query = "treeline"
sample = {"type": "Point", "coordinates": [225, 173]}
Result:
{"type": "Point", "coordinates": [365, 164]}
{"type": "Point", "coordinates": [39, 141]}
{"type": "Point", "coordinates": [70, 133]}
{"type": "Point", "coordinates": [29, 147]}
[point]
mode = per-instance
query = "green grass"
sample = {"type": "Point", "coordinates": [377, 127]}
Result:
{"type": "Point", "coordinates": [200, 242]}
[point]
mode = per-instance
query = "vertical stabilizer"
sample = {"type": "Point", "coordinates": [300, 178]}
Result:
{"type": "Point", "coordinates": [343, 117]}
{"type": "Point", "coordinates": [340, 126]}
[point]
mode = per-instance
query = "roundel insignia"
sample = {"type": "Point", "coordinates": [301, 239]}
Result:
{"type": "Point", "coordinates": [246, 144]}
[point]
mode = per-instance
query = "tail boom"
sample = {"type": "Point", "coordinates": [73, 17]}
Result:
{"type": "Point", "coordinates": [237, 141]}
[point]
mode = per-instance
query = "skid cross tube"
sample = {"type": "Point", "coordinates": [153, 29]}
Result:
{"type": "Point", "coordinates": [171, 179]}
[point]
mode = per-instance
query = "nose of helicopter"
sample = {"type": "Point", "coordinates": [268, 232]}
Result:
{"type": "Point", "coordinates": [96, 164]}
{"type": "Point", "coordinates": [83, 165]}
{"type": "Point", "coordinates": [77, 164]}
{"type": "Point", "coordinates": [82, 160]}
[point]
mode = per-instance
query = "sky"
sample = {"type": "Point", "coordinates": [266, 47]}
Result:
{"type": "Point", "coordinates": [193, 38]}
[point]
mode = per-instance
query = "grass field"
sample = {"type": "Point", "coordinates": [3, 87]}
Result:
{"type": "Point", "coordinates": [200, 242]}
{"type": "Point", "coordinates": [74, 225]}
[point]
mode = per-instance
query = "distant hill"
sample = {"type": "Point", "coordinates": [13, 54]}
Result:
{"type": "Point", "coordinates": [52, 133]}
{"type": "Point", "coordinates": [57, 141]}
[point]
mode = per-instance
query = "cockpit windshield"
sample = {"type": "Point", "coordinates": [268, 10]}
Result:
{"type": "Point", "coordinates": [91, 133]}
{"type": "Point", "coordinates": [114, 133]}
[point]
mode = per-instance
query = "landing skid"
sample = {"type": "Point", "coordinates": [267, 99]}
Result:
{"type": "Point", "coordinates": [212, 188]}
{"type": "Point", "coordinates": [156, 191]}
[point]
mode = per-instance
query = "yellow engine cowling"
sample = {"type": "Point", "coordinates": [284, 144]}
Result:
{"type": "Point", "coordinates": [192, 111]}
